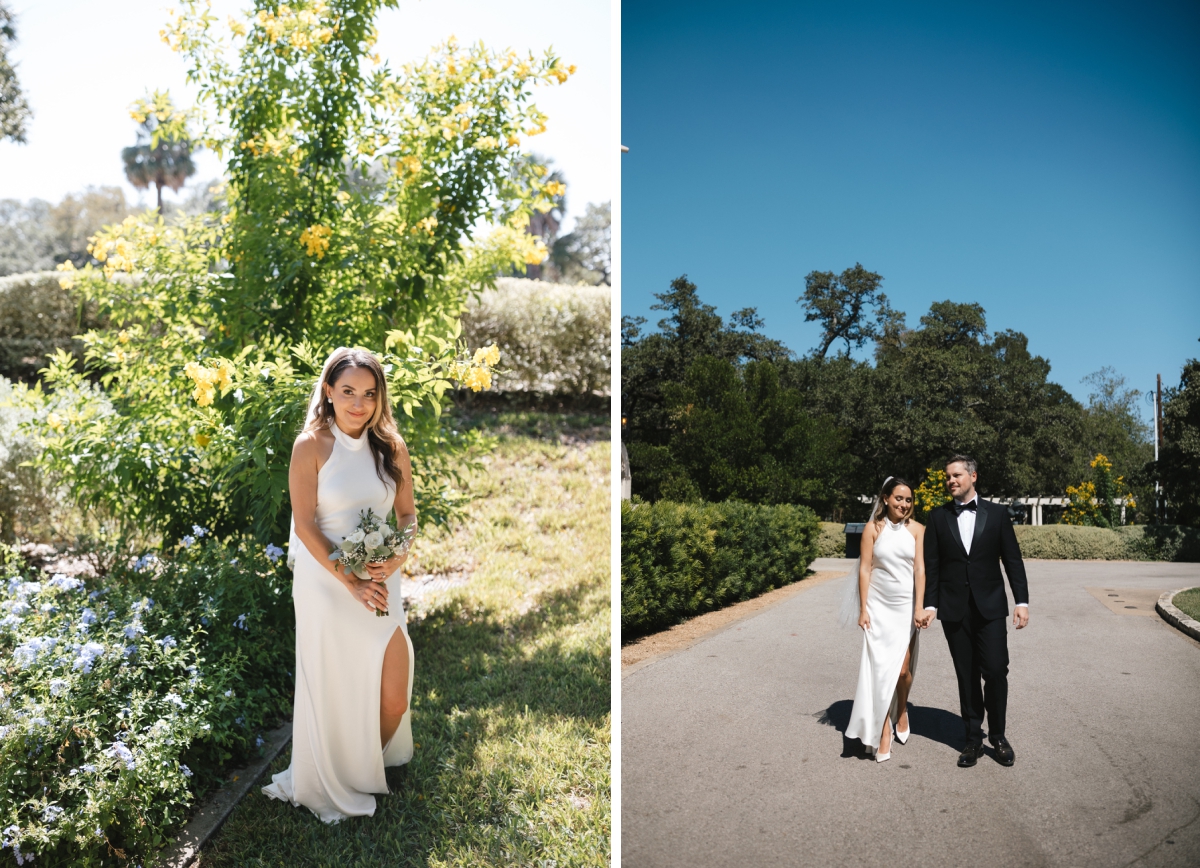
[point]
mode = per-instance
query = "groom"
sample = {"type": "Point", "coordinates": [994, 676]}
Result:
{"type": "Point", "coordinates": [966, 540]}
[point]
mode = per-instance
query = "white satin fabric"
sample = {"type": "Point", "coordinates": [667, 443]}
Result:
{"type": "Point", "coordinates": [890, 607]}
{"type": "Point", "coordinates": [336, 760]}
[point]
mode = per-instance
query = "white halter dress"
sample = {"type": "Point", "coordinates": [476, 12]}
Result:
{"type": "Point", "coordinates": [336, 760]}
{"type": "Point", "coordinates": [890, 607]}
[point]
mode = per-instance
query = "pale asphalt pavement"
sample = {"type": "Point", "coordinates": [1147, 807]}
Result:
{"type": "Point", "coordinates": [732, 752]}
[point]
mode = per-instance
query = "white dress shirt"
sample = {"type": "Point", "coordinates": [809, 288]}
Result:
{"type": "Point", "coordinates": [966, 529]}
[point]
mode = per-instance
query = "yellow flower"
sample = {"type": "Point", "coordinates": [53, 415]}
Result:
{"type": "Point", "coordinates": [316, 240]}
{"type": "Point", "coordinates": [123, 336]}
{"type": "Point", "coordinates": [514, 141]}
{"type": "Point", "coordinates": [203, 394]}
{"type": "Point", "coordinates": [67, 280]}
{"type": "Point", "coordinates": [203, 440]}
{"type": "Point", "coordinates": [55, 421]}
{"type": "Point", "coordinates": [236, 26]}
{"type": "Point", "coordinates": [554, 188]}
{"type": "Point", "coordinates": [224, 373]}
{"type": "Point", "coordinates": [487, 355]}
{"type": "Point", "coordinates": [478, 379]}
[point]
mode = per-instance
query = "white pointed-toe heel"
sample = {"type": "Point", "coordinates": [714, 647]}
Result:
{"type": "Point", "coordinates": [883, 757]}
{"type": "Point", "coordinates": [902, 737]}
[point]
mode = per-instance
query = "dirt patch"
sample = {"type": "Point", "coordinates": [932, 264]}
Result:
{"type": "Point", "coordinates": [689, 632]}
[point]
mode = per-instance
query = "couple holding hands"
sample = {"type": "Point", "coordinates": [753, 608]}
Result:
{"type": "Point", "coordinates": [907, 575]}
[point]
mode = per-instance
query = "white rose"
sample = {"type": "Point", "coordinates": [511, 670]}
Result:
{"type": "Point", "coordinates": [356, 537]}
{"type": "Point", "coordinates": [386, 531]}
{"type": "Point", "coordinates": [374, 539]}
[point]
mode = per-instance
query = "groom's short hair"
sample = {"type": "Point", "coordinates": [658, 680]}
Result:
{"type": "Point", "coordinates": [965, 460]}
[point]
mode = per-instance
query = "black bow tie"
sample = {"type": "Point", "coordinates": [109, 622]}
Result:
{"type": "Point", "coordinates": [959, 507]}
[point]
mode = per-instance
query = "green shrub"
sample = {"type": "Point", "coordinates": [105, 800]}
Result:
{"type": "Point", "coordinates": [37, 317]}
{"type": "Point", "coordinates": [125, 696]}
{"type": "Point", "coordinates": [679, 560]}
{"type": "Point", "coordinates": [1136, 543]}
{"type": "Point", "coordinates": [831, 543]}
{"type": "Point", "coordinates": [34, 503]}
{"type": "Point", "coordinates": [552, 338]}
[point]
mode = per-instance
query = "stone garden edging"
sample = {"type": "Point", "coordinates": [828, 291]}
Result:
{"type": "Point", "coordinates": [1175, 617]}
{"type": "Point", "coordinates": [216, 810]}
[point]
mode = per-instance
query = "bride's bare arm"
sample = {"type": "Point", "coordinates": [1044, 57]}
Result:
{"type": "Point", "coordinates": [919, 618]}
{"type": "Point", "coordinates": [406, 514]}
{"type": "Point", "coordinates": [866, 550]}
{"type": "Point", "coordinates": [302, 486]}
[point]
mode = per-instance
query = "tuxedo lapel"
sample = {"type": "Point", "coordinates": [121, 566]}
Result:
{"type": "Point", "coordinates": [981, 514]}
{"type": "Point", "coordinates": [952, 520]}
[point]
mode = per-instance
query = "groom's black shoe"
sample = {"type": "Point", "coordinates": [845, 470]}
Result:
{"type": "Point", "coordinates": [970, 755]}
{"type": "Point", "coordinates": [1004, 752]}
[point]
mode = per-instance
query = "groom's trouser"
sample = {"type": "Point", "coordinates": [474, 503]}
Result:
{"type": "Point", "coordinates": [979, 649]}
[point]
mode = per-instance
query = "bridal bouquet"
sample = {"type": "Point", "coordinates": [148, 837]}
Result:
{"type": "Point", "coordinates": [372, 542]}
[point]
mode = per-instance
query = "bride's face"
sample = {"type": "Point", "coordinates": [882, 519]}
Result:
{"type": "Point", "coordinates": [354, 397]}
{"type": "Point", "coordinates": [899, 503]}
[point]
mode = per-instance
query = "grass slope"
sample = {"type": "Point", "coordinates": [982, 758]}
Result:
{"type": "Point", "coordinates": [1189, 603]}
{"type": "Point", "coordinates": [511, 711]}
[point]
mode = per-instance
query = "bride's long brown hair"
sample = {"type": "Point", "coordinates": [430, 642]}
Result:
{"type": "Point", "coordinates": [382, 434]}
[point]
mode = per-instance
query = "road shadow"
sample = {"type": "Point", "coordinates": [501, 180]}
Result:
{"type": "Point", "coordinates": [935, 724]}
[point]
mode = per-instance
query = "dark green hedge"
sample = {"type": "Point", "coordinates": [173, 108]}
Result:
{"type": "Point", "coordinates": [1135, 543]}
{"type": "Point", "coordinates": [679, 560]}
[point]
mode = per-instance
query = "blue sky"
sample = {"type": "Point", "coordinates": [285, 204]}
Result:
{"type": "Point", "coordinates": [1042, 160]}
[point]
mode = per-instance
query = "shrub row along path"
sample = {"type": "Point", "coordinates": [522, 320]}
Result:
{"type": "Point", "coordinates": [733, 753]}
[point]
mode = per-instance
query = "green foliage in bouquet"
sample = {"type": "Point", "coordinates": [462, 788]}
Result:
{"type": "Point", "coordinates": [354, 193]}
{"type": "Point", "coordinates": [125, 698]}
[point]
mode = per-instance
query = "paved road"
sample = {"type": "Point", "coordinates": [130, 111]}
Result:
{"type": "Point", "coordinates": [732, 752]}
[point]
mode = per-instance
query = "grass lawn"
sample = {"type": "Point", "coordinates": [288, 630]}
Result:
{"type": "Point", "coordinates": [1189, 603]}
{"type": "Point", "coordinates": [511, 715]}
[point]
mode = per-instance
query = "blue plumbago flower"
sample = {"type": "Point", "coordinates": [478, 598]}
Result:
{"type": "Point", "coordinates": [99, 832]}
{"type": "Point", "coordinates": [88, 767]}
{"type": "Point", "coordinates": [175, 698]}
{"type": "Point", "coordinates": [204, 620]}
{"type": "Point", "coordinates": [241, 622]}
{"type": "Point", "coordinates": [274, 552]}
{"type": "Point", "coordinates": [144, 561]}
{"type": "Point", "coordinates": [27, 652]}
{"type": "Point", "coordinates": [4, 731]}
{"type": "Point", "coordinates": [64, 582]}
{"type": "Point", "coordinates": [48, 608]}
{"type": "Point", "coordinates": [18, 607]}
{"type": "Point", "coordinates": [134, 629]}
{"type": "Point", "coordinates": [167, 642]}
{"type": "Point", "coordinates": [258, 742]}
{"type": "Point", "coordinates": [187, 541]}
{"type": "Point", "coordinates": [233, 562]}
{"type": "Point", "coordinates": [143, 605]}
{"type": "Point", "coordinates": [87, 656]}
{"type": "Point", "coordinates": [239, 720]}
{"type": "Point", "coordinates": [39, 721]}
{"type": "Point", "coordinates": [52, 813]}
{"type": "Point", "coordinates": [57, 686]}
{"type": "Point", "coordinates": [87, 617]}
{"type": "Point", "coordinates": [11, 621]}
{"type": "Point", "coordinates": [128, 650]}
{"type": "Point", "coordinates": [229, 692]}
{"type": "Point", "coordinates": [27, 589]}
{"type": "Point", "coordinates": [118, 751]}
{"type": "Point", "coordinates": [199, 531]}
{"type": "Point", "coordinates": [187, 773]}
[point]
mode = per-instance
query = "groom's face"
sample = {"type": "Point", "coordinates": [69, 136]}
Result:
{"type": "Point", "coordinates": [959, 482]}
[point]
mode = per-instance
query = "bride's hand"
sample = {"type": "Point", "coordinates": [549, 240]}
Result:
{"type": "Point", "coordinates": [383, 569]}
{"type": "Point", "coordinates": [864, 620]}
{"type": "Point", "coordinates": [373, 595]}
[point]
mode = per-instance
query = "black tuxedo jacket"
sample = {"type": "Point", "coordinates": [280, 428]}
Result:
{"type": "Point", "coordinates": [950, 572]}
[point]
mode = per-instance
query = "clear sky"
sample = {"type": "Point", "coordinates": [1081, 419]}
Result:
{"type": "Point", "coordinates": [82, 63]}
{"type": "Point", "coordinates": [1041, 159]}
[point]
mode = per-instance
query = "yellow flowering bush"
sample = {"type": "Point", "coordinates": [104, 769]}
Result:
{"type": "Point", "coordinates": [1097, 502]}
{"type": "Point", "coordinates": [355, 197]}
{"type": "Point", "coordinates": [930, 494]}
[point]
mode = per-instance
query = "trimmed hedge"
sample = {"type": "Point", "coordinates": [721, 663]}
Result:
{"type": "Point", "coordinates": [1136, 543]}
{"type": "Point", "coordinates": [552, 337]}
{"type": "Point", "coordinates": [832, 541]}
{"type": "Point", "coordinates": [37, 317]}
{"type": "Point", "coordinates": [679, 560]}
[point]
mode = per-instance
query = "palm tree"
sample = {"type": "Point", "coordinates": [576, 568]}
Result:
{"type": "Point", "coordinates": [167, 163]}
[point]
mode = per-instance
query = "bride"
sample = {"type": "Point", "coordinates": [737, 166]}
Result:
{"type": "Point", "coordinates": [354, 670]}
{"type": "Point", "coordinates": [891, 578]}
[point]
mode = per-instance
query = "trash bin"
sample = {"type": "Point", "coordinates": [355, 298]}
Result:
{"type": "Point", "coordinates": [854, 532]}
